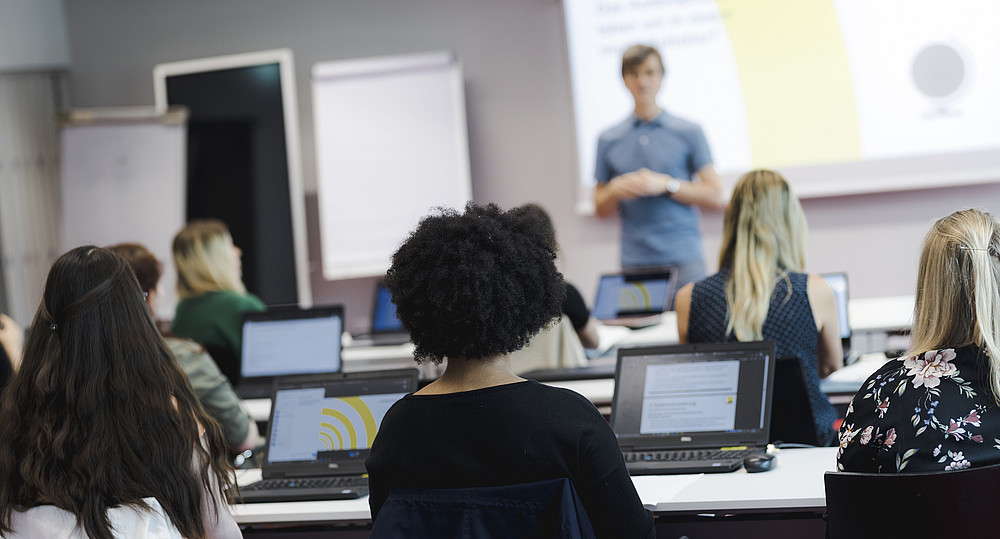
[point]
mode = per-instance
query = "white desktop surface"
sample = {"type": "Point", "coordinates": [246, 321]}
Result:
{"type": "Point", "coordinates": [795, 484]}
{"type": "Point", "coordinates": [881, 314]}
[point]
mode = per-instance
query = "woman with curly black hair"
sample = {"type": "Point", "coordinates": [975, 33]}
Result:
{"type": "Point", "coordinates": [473, 287]}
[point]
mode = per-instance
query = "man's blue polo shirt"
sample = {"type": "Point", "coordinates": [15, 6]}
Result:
{"type": "Point", "coordinates": [656, 231]}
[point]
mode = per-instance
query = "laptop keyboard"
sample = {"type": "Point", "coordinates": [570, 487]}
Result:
{"type": "Point", "coordinates": [311, 482]}
{"type": "Point", "coordinates": [682, 455]}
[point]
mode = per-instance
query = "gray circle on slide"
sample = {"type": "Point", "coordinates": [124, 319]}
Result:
{"type": "Point", "coordinates": [938, 70]}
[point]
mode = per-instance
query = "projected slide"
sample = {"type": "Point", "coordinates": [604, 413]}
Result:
{"type": "Point", "coordinates": [801, 83]}
{"type": "Point", "coordinates": [690, 397]}
{"type": "Point", "coordinates": [306, 423]}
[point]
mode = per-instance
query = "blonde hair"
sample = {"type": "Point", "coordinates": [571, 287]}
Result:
{"type": "Point", "coordinates": [203, 256]}
{"type": "Point", "coordinates": [764, 237]}
{"type": "Point", "coordinates": [958, 288]}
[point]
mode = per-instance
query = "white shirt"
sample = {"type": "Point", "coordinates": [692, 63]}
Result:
{"type": "Point", "coordinates": [51, 522]}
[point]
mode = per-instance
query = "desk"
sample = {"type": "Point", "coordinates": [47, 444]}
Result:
{"type": "Point", "coordinates": [794, 487]}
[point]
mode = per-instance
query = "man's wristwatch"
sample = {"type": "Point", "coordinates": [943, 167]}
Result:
{"type": "Point", "coordinates": [673, 186]}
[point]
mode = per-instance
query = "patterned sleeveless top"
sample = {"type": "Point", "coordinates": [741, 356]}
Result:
{"type": "Point", "coordinates": [789, 323]}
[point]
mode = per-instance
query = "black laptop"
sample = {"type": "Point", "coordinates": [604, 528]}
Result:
{"type": "Point", "coordinates": [386, 329]}
{"type": "Point", "coordinates": [282, 342]}
{"type": "Point", "coordinates": [320, 432]}
{"type": "Point", "coordinates": [633, 300]}
{"type": "Point", "coordinates": [693, 408]}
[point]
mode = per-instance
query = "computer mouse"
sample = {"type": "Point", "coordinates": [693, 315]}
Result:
{"type": "Point", "coordinates": [760, 462]}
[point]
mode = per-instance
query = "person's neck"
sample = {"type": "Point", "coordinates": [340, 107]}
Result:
{"type": "Point", "coordinates": [647, 111]}
{"type": "Point", "coordinates": [469, 374]}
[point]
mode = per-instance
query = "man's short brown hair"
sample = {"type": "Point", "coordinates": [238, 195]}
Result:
{"type": "Point", "coordinates": [635, 55]}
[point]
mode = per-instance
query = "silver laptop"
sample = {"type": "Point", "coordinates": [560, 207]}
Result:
{"type": "Point", "coordinates": [282, 342]}
{"type": "Point", "coordinates": [692, 408]}
{"type": "Point", "coordinates": [633, 300]}
{"type": "Point", "coordinates": [320, 433]}
{"type": "Point", "coordinates": [838, 283]}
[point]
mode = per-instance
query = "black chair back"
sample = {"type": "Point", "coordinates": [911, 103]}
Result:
{"type": "Point", "coordinates": [543, 509]}
{"type": "Point", "coordinates": [962, 503]}
{"type": "Point", "coordinates": [227, 361]}
{"type": "Point", "coordinates": [792, 419]}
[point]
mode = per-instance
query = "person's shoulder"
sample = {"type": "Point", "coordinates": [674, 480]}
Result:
{"type": "Point", "coordinates": [681, 125]}
{"type": "Point", "coordinates": [617, 130]}
{"type": "Point", "coordinates": [182, 348]}
{"type": "Point", "coordinates": [565, 398]}
{"type": "Point", "coordinates": [243, 300]}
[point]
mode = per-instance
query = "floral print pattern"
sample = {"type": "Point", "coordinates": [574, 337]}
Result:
{"type": "Point", "coordinates": [926, 412]}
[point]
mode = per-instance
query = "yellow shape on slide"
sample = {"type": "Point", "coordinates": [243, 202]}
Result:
{"type": "Point", "coordinates": [328, 440]}
{"type": "Point", "coordinates": [337, 414]}
{"type": "Point", "coordinates": [366, 415]}
{"type": "Point", "coordinates": [367, 418]}
{"type": "Point", "coordinates": [796, 81]}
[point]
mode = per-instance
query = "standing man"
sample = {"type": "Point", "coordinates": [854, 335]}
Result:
{"type": "Point", "coordinates": [646, 168]}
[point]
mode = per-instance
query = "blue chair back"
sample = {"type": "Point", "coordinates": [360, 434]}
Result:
{"type": "Point", "coordinates": [549, 509]}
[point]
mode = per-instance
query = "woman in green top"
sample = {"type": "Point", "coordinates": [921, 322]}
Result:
{"type": "Point", "coordinates": [212, 296]}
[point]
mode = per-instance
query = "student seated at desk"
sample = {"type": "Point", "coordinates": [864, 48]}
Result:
{"type": "Point", "coordinates": [762, 293]}
{"type": "Point", "coordinates": [213, 389]}
{"type": "Point", "coordinates": [213, 298]}
{"type": "Point", "coordinates": [573, 306]}
{"type": "Point", "coordinates": [100, 433]}
{"type": "Point", "coordinates": [472, 288]}
{"type": "Point", "coordinates": [937, 407]}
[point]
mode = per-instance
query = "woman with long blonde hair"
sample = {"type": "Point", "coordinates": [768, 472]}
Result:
{"type": "Point", "coordinates": [762, 292]}
{"type": "Point", "coordinates": [937, 407]}
{"type": "Point", "coordinates": [212, 296]}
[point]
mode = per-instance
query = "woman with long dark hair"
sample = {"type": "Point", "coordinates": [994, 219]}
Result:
{"type": "Point", "coordinates": [101, 434]}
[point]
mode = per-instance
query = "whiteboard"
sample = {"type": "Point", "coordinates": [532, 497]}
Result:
{"type": "Point", "coordinates": [391, 144]}
{"type": "Point", "coordinates": [123, 181]}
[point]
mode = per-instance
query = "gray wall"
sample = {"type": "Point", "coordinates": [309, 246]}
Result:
{"type": "Point", "coordinates": [519, 110]}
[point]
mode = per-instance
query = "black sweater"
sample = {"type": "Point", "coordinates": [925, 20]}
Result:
{"type": "Point", "coordinates": [504, 435]}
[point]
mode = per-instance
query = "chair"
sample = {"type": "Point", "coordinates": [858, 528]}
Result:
{"type": "Point", "coordinates": [931, 504]}
{"type": "Point", "coordinates": [792, 419]}
{"type": "Point", "coordinates": [542, 509]}
{"type": "Point", "coordinates": [227, 361]}
{"type": "Point", "coordinates": [555, 347]}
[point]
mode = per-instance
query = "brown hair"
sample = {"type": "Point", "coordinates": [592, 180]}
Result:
{"type": "Point", "coordinates": [99, 414]}
{"type": "Point", "coordinates": [635, 55]}
{"type": "Point", "coordinates": [148, 269]}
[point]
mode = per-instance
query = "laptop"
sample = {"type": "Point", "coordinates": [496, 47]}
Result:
{"type": "Point", "coordinates": [692, 408]}
{"type": "Point", "coordinates": [320, 433]}
{"type": "Point", "coordinates": [287, 341]}
{"type": "Point", "coordinates": [386, 329]}
{"type": "Point", "coordinates": [633, 300]}
{"type": "Point", "coordinates": [838, 283]}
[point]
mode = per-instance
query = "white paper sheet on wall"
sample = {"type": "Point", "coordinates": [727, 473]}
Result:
{"type": "Point", "coordinates": [123, 181]}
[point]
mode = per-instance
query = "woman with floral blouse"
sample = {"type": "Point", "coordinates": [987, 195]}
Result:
{"type": "Point", "coordinates": [937, 408]}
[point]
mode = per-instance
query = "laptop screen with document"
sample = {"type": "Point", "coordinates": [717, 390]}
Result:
{"type": "Point", "coordinates": [698, 395]}
{"type": "Point", "coordinates": [294, 341]}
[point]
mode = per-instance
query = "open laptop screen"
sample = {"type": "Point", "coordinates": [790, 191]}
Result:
{"type": "Point", "coordinates": [331, 420]}
{"type": "Point", "coordinates": [384, 312]}
{"type": "Point", "coordinates": [622, 295]}
{"type": "Point", "coordinates": [300, 341]}
{"type": "Point", "coordinates": [701, 395]}
{"type": "Point", "coordinates": [838, 283]}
